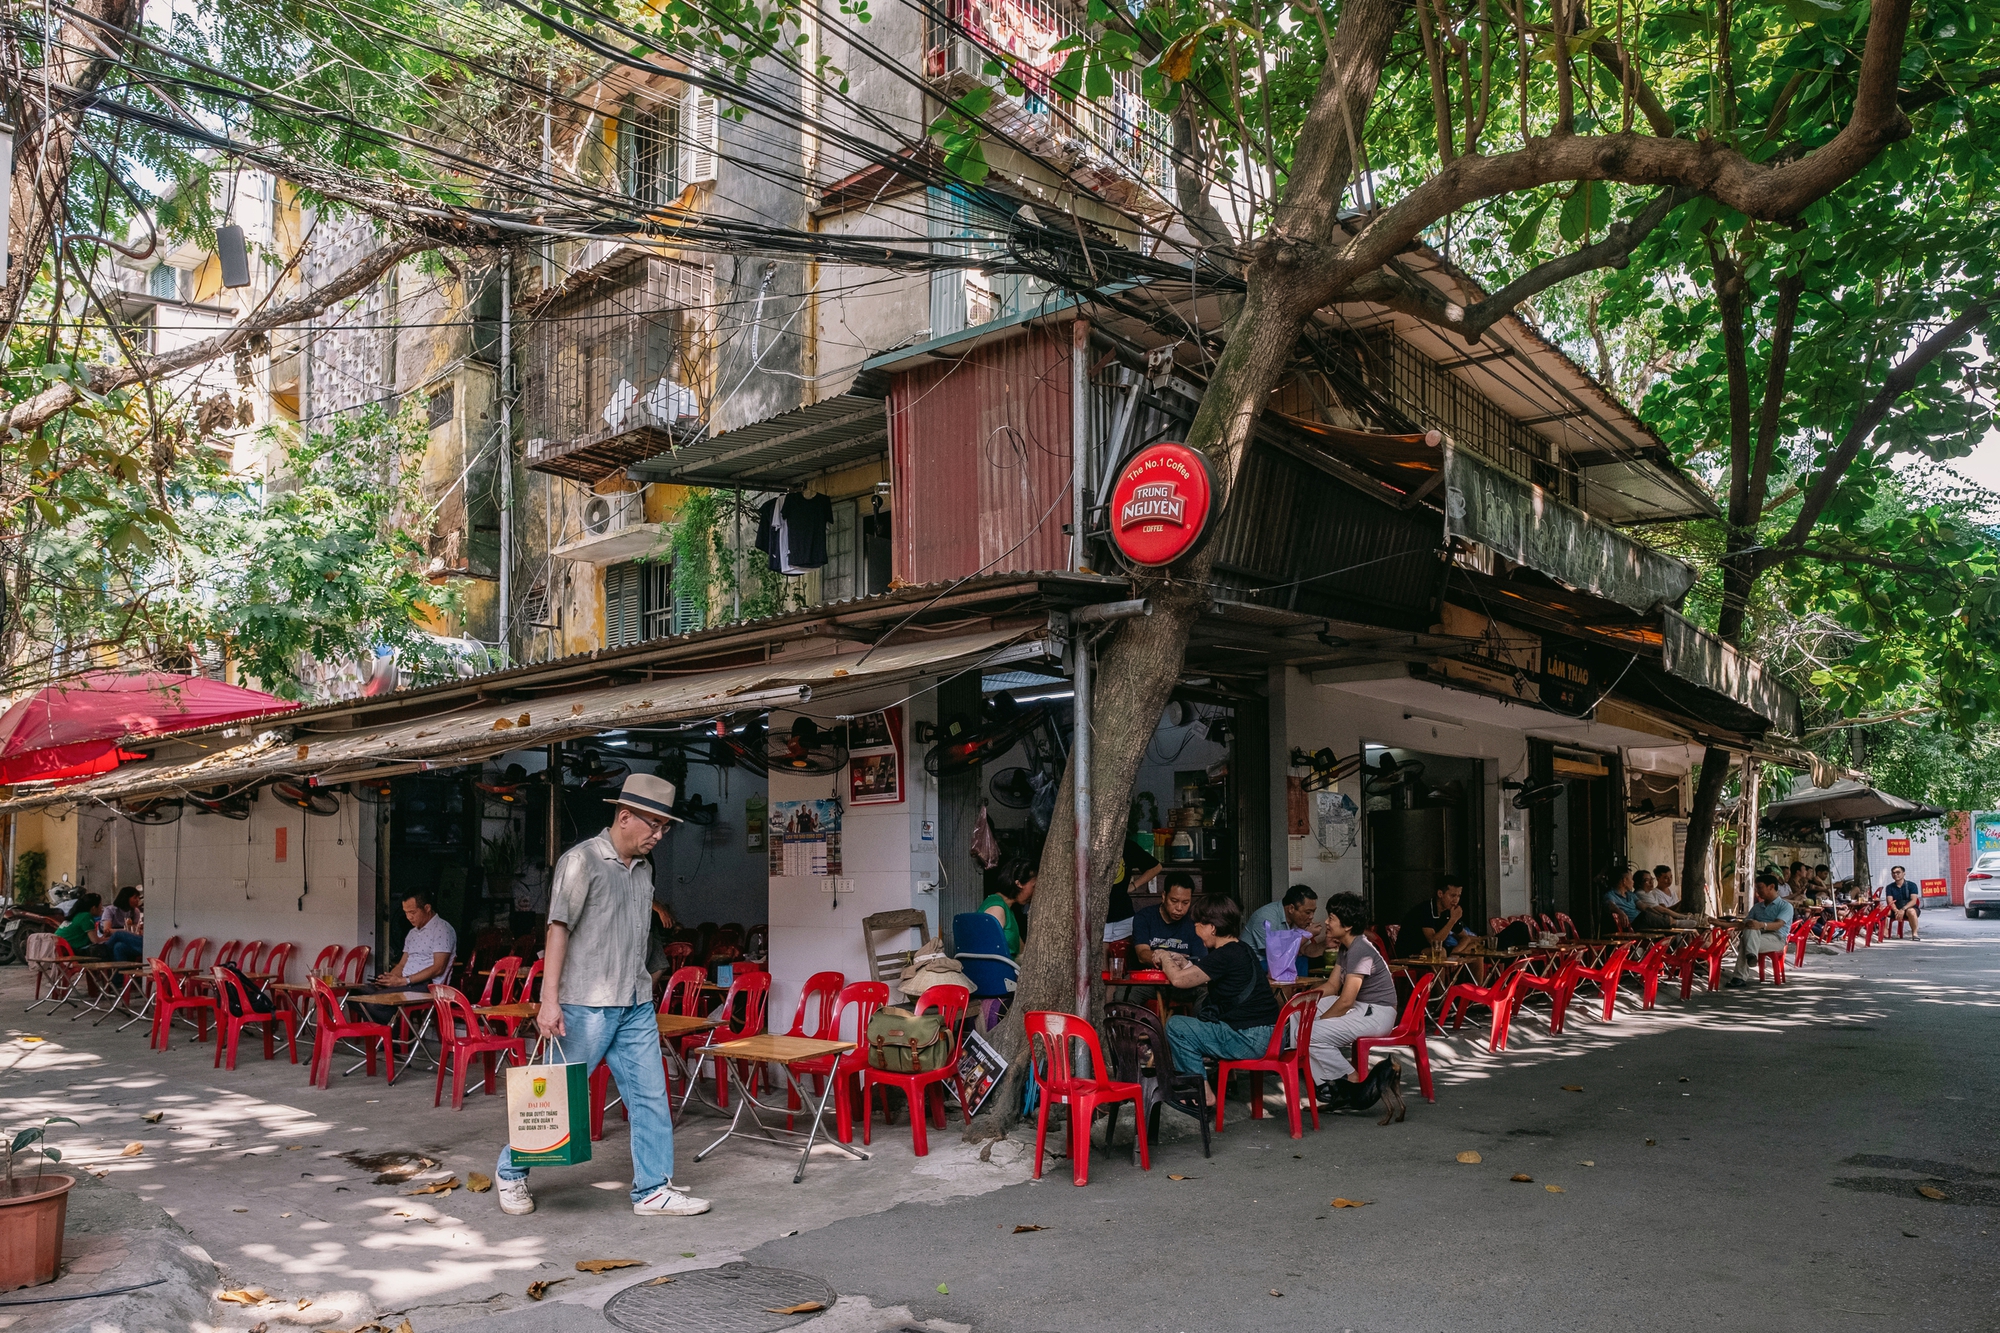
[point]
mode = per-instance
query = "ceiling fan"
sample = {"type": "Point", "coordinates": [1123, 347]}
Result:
{"type": "Point", "coordinates": [152, 810]}
{"type": "Point", "coordinates": [1389, 773]}
{"type": "Point", "coordinates": [222, 801]}
{"type": "Point", "coordinates": [509, 790]}
{"type": "Point", "coordinates": [1327, 768]}
{"type": "Point", "coordinates": [967, 742]}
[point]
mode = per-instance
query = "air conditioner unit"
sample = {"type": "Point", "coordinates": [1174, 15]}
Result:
{"type": "Point", "coordinates": [606, 514]}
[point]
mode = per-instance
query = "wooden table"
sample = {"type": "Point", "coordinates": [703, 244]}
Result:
{"type": "Point", "coordinates": [401, 1001]}
{"type": "Point", "coordinates": [513, 1009]}
{"type": "Point", "coordinates": [767, 1048]}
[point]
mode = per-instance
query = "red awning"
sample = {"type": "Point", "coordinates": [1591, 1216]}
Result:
{"type": "Point", "coordinates": [72, 730]}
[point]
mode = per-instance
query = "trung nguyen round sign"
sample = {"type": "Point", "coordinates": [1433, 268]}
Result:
{"type": "Point", "coordinates": [1162, 504]}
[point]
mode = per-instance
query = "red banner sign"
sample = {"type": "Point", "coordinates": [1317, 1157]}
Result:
{"type": "Point", "coordinates": [1899, 847]}
{"type": "Point", "coordinates": [1933, 888]}
{"type": "Point", "coordinates": [1162, 504]}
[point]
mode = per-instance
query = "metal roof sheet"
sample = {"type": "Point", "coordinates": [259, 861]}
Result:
{"type": "Point", "coordinates": [779, 451]}
{"type": "Point", "coordinates": [476, 733]}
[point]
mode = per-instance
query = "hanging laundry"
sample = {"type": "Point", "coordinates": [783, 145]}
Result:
{"type": "Point", "coordinates": [807, 518]}
{"type": "Point", "coordinates": [767, 533]}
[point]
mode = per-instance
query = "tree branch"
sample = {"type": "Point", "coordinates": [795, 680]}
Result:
{"type": "Point", "coordinates": [1758, 191]}
{"type": "Point", "coordinates": [1899, 382]}
{"type": "Point", "coordinates": [1608, 55]}
{"type": "Point", "coordinates": [28, 416]}
{"type": "Point", "coordinates": [1471, 322]}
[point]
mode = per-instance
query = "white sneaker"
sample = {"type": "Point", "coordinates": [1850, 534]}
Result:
{"type": "Point", "coordinates": [514, 1197]}
{"type": "Point", "coordinates": [669, 1201]}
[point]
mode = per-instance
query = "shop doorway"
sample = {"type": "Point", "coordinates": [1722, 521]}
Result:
{"type": "Point", "coordinates": [1579, 836]}
{"type": "Point", "coordinates": [1421, 817]}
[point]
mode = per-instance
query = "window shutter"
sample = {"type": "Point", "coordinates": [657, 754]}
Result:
{"type": "Point", "coordinates": [688, 614]}
{"type": "Point", "coordinates": [623, 590]}
{"type": "Point", "coordinates": [163, 282]}
{"type": "Point", "coordinates": [698, 137]}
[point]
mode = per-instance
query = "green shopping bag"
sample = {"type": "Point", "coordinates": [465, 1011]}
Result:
{"type": "Point", "coordinates": [548, 1110]}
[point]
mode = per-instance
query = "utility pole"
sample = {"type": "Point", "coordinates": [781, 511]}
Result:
{"type": "Point", "coordinates": [506, 457]}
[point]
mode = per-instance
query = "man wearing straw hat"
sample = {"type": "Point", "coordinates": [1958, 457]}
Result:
{"type": "Point", "coordinates": [597, 996]}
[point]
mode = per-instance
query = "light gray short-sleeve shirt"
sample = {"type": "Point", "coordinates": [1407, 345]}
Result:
{"type": "Point", "coordinates": [608, 907]}
{"type": "Point", "coordinates": [424, 943]}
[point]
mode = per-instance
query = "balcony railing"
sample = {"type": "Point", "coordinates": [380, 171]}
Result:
{"type": "Point", "coordinates": [1116, 146]}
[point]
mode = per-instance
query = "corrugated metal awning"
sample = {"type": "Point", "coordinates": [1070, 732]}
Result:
{"type": "Point", "coordinates": [779, 451]}
{"type": "Point", "coordinates": [471, 734]}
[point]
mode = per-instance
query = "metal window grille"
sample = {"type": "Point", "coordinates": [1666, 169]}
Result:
{"type": "Point", "coordinates": [163, 282]}
{"type": "Point", "coordinates": [649, 154]}
{"type": "Point", "coordinates": [1436, 398]}
{"type": "Point", "coordinates": [615, 362]}
{"type": "Point", "coordinates": [440, 407]}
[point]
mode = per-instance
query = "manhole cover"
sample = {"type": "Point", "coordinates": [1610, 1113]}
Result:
{"type": "Point", "coordinates": [735, 1298]}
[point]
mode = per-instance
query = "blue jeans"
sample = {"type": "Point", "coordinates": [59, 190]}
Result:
{"type": "Point", "coordinates": [1195, 1042]}
{"type": "Point", "coordinates": [127, 947]}
{"type": "Point", "coordinates": [628, 1039]}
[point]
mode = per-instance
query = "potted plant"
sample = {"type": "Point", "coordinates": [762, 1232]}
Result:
{"type": "Point", "coordinates": [33, 1210]}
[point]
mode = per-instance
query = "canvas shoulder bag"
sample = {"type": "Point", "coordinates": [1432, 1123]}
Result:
{"type": "Point", "coordinates": [900, 1042]}
{"type": "Point", "coordinates": [548, 1109]}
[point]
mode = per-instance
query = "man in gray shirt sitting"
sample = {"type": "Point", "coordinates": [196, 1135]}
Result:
{"type": "Point", "coordinates": [597, 996]}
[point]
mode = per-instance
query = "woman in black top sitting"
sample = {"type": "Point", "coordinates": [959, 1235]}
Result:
{"type": "Point", "coordinates": [1236, 1021]}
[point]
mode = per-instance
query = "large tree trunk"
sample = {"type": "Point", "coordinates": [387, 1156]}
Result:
{"type": "Point", "coordinates": [1141, 659]}
{"type": "Point", "coordinates": [1701, 829]}
{"type": "Point", "coordinates": [44, 146]}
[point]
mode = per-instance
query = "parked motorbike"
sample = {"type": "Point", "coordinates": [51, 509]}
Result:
{"type": "Point", "coordinates": [18, 923]}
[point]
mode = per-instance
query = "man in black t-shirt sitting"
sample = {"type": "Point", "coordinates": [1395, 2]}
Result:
{"type": "Point", "coordinates": [1904, 897]}
{"type": "Point", "coordinates": [1236, 1022]}
{"type": "Point", "coordinates": [1438, 921]}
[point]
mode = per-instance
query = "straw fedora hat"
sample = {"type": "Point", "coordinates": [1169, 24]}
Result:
{"type": "Point", "coordinates": [648, 795]}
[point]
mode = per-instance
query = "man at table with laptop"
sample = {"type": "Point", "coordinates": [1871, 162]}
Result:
{"type": "Point", "coordinates": [597, 997]}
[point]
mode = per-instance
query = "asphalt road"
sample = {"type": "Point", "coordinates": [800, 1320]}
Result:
{"type": "Point", "coordinates": [1748, 1161]}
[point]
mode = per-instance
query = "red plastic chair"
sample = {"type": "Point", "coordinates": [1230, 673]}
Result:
{"type": "Point", "coordinates": [170, 999]}
{"type": "Point", "coordinates": [228, 952]}
{"type": "Point", "coordinates": [1288, 1059]}
{"type": "Point", "coordinates": [1500, 997]}
{"type": "Point", "coordinates": [326, 960]}
{"type": "Point", "coordinates": [460, 1039]}
{"type": "Point", "coordinates": [1548, 924]}
{"type": "Point", "coordinates": [865, 999]}
{"type": "Point", "coordinates": [1620, 925]}
{"type": "Point", "coordinates": [1649, 971]}
{"type": "Point", "coordinates": [683, 996]}
{"type": "Point", "coordinates": [331, 1026]}
{"type": "Point", "coordinates": [248, 956]}
{"type": "Point", "coordinates": [1774, 961]}
{"type": "Point", "coordinates": [1382, 946]}
{"type": "Point", "coordinates": [1496, 924]}
{"type": "Point", "coordinates": [822, 997]}
{"type": "Point", "coordinates": [191, 955]}
{"type": "Point", "coordinates": [529, 985]}
{"type": "Point", "coordinates": [1394, 929]}
{"type": "Point", "coordinates": [1057, 1080]}
{"type": "Point", "coordinates": [755, 988]}
{"type": "Point", "coordinates": [1710, 952]}
{"type": "Point", "coordinates": [279, 960]}
{"type": "Point", "coordinates": [354, 968]}
{"type": "Point", "coordinates": [1408, 1032]}
{"type": "Point", "coordinates": [499, 985]}
{"type": "Point", "coordinates": [924, 1089]}
{"type": "Point", "coordinates": [1558, 985]}
{"type": "Point", "coordinates": [1567, 926]}
{"type": "Point", "coordinates": [678, 955]}
{"type": "Point", "coordinates": [63, 971]}
{"type": "Point", "coordinates": [166, 950]}
{"type": "Point", "coordinates": [229, 1027]}
{"type": "Point", "coordinates": [1604, 975]}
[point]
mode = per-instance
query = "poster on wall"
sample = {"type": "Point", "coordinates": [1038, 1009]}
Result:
{"type": "Point", "coordinates": [1339, 821]}
{"type": "Point", "coordinates": [805, 839]}
{"type": "Point", "coordinates": [875, 758]}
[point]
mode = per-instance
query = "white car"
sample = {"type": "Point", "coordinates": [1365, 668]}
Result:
{"type": "Point", "coordinates": [1982, 885]}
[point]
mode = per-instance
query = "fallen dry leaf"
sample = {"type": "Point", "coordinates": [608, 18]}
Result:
{"type": "Point", "coordinates": [657, 1282]}
{"type": "Point", "coordinates": [1171, 1177]}
{"type": "Point", "coordinates": [1553, 1189]}
{"type": "Point", "coordinates": [537, 1290]}
{"type": "Point", "coordinates": [1470, 1158]}
{"type": "Point", "coordinates": [1350, 1203]}
{"type": "Point", "coordinates": [239, 1210]}
{"type": "Point", "coordinates": [303, 1302]}
{"type": "Point", "coordinates": [1572, 1087]}
{"type": "Point", "coordinates": [1525, 1180]}
{"type": "Point", "coordinates": [803, 1307]}
{"type": "Point", "coordinates": [1684, 1078]}
{"type": "Point", "coordinates": [1586, 1164]}
{"type": "Point", "coordinates": [33, 1041]}
{"type": "Point", "coordinates": [445, 1186]}
{"type": "Point", "coordinates": [154, 1117]}
{"type": "Point", "coordinates": [1651, 1144]}
{"type": "Point", "coordinates": [133, 1150]}
{"type": "Point", "coordinates": [243, 1295]}
{"type": "Point", "coordinates": [1020, 1229]}
{"type": "Point", "coordinates": [1932, 1192]}
{"type": "Point", "coordinates": [259, 1327]}
{"type": "Point", "coordinates": [477, 1183]}
{"type": "Point", "coordinates": [293, 1147]}
{"type": "Point", "coordinates": [606, 1265]}
{"type": "Point", "coordinates": [404, 1327]}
